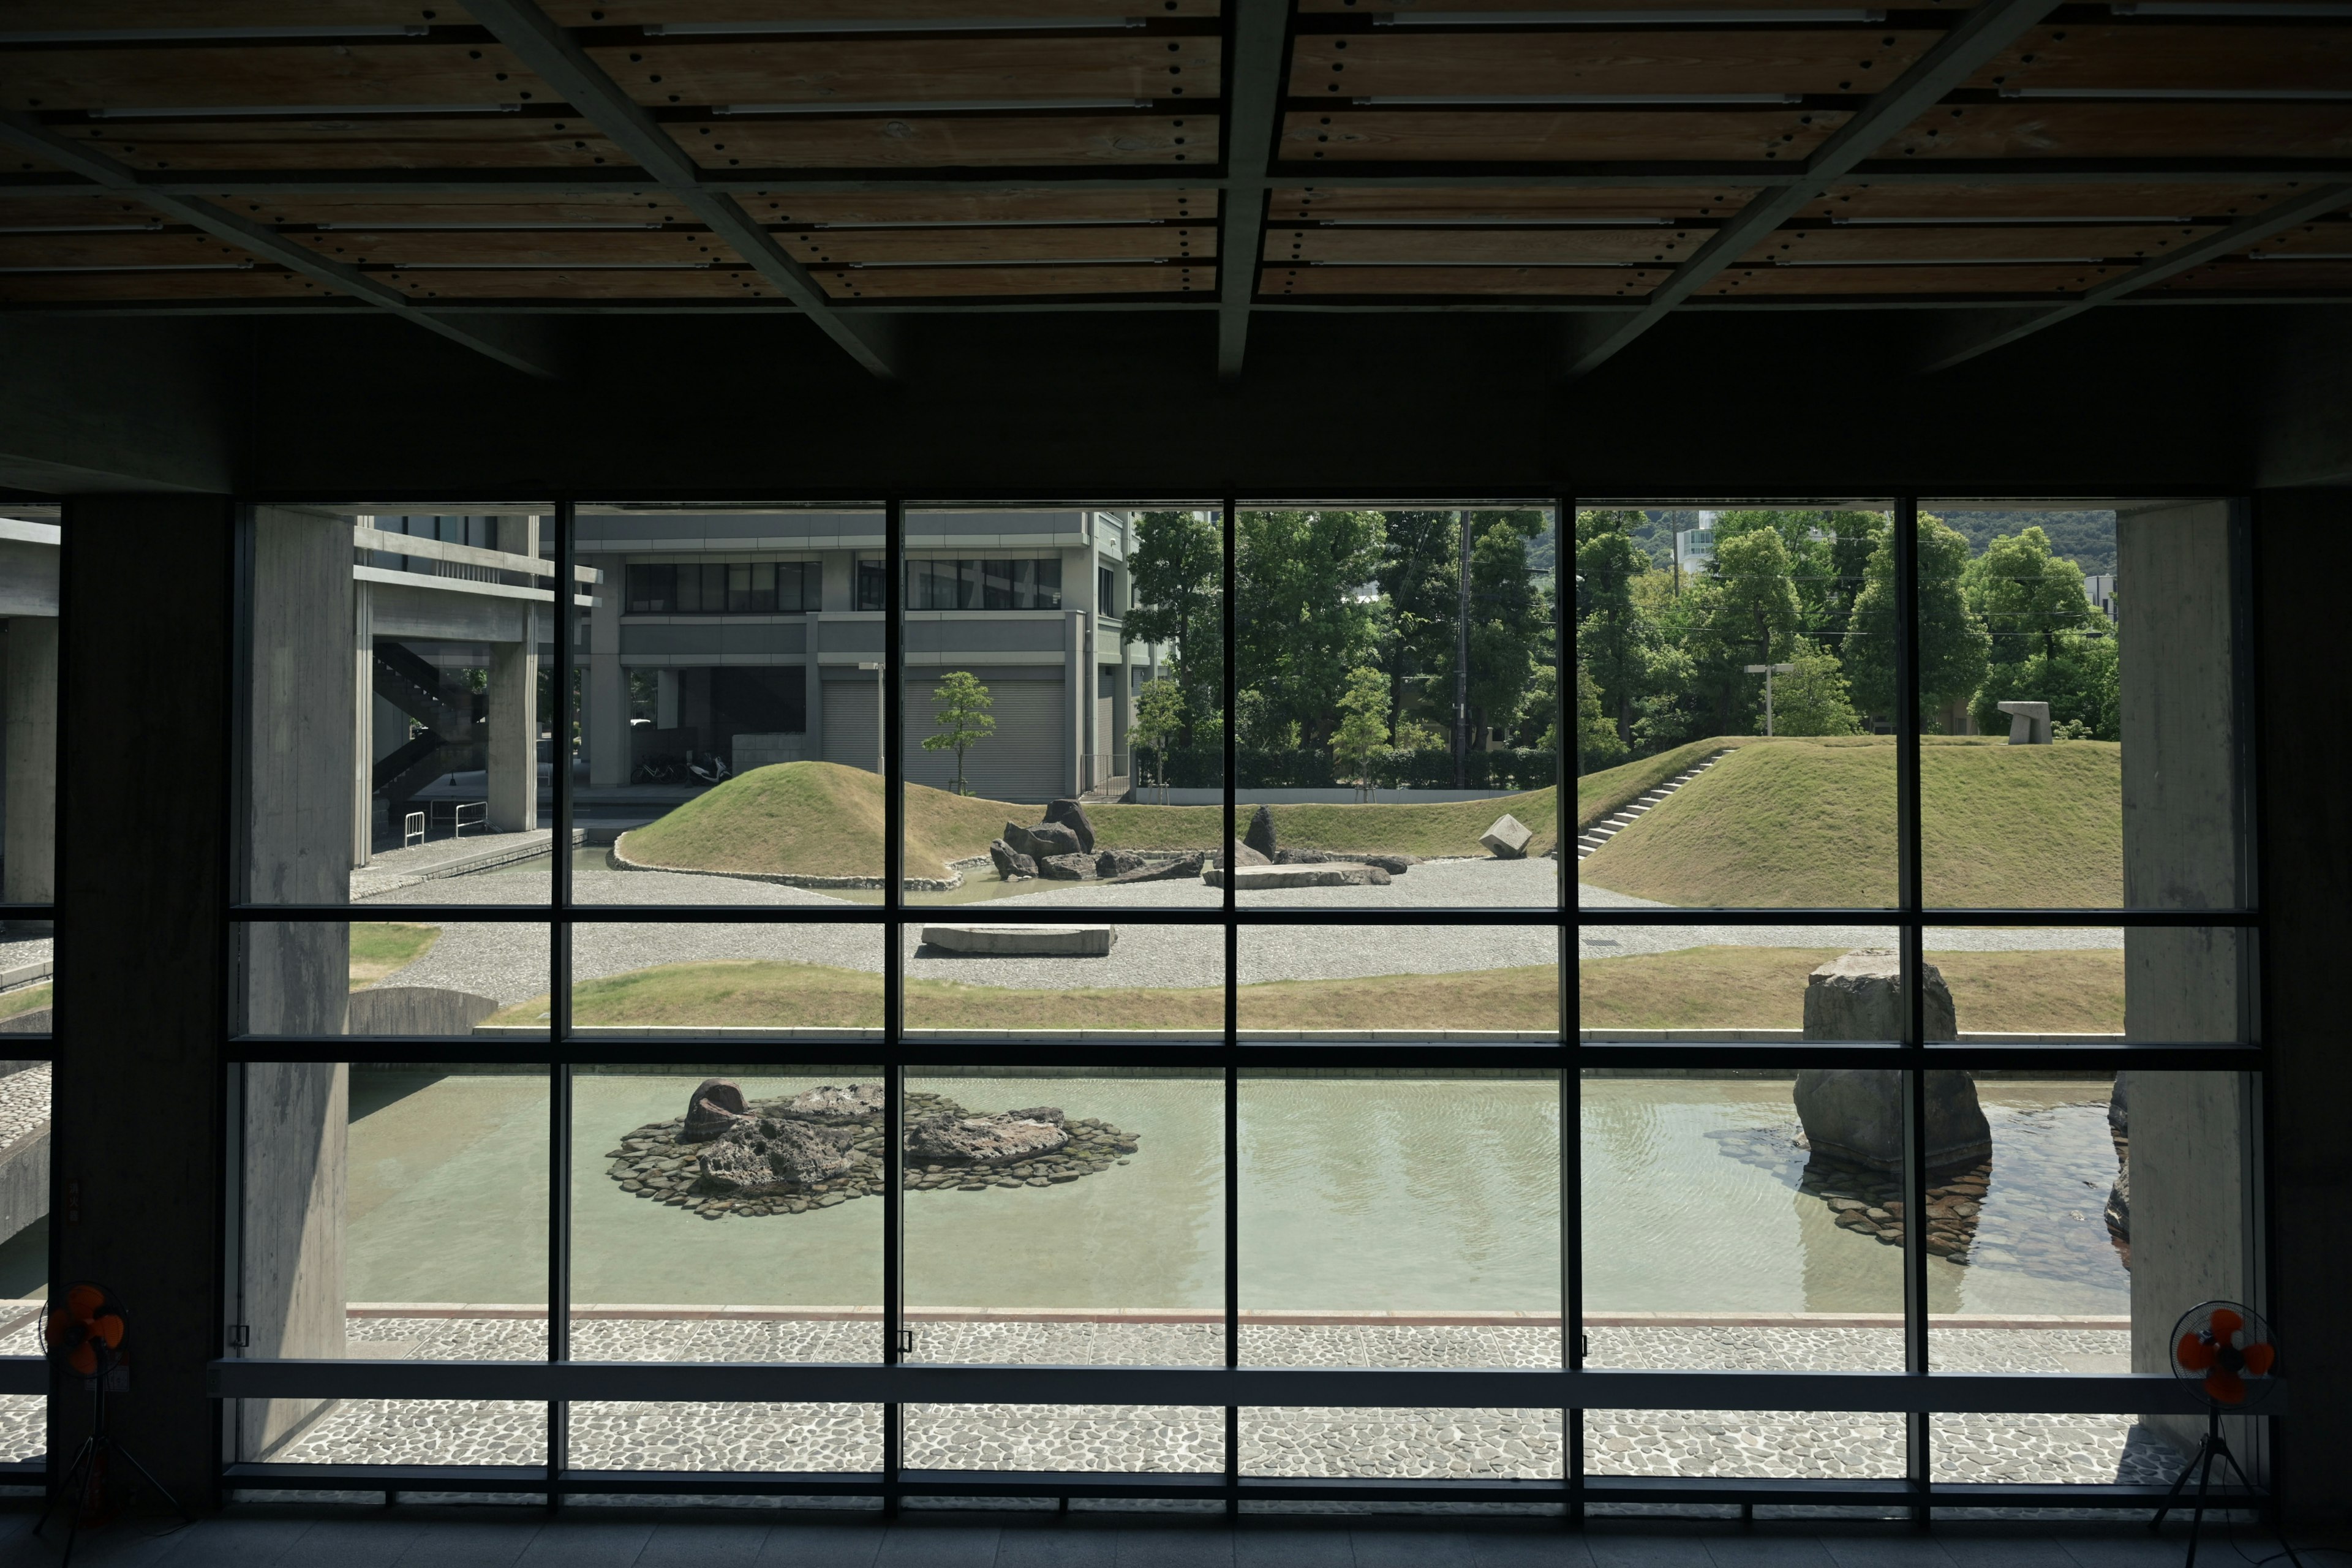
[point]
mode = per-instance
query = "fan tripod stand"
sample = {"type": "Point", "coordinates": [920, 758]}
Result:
{"type": "Point", "coordinates": [89, 1462]}
{"type": "Point", "coordinates": [2212, 1446]}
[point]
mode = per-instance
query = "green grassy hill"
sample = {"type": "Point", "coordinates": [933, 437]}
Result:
{"type": "Point", "coordinates": [821, 819]}
{"type": "Point", "coordinates": [1812, 822]}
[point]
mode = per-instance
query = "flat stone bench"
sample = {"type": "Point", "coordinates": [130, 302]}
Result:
{"type": "Point", "coordinates": [1327, 873]}
{"type": "Point", "coordinates": [1023, 942]}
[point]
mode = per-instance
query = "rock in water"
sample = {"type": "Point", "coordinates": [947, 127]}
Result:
{"type": "Point", "coordinates": [1071, 814]}
{"type": "Point", "coordinates": [1260, 835]}
{"type": "Point", "coordinates": [1117, 863]}
{"type": "Point", "coordinates": [1185, 865]}
{"type": "Point", "coordinates": [1858, 995]}
{"type": "Point", "coordinates": [1011, 862]}
{"type": "Point", "coordinates": [1070, 868]}
{"type": "Point", "coordinates": [851, 1102]}
{"type": "Point", "coordinates": [1856, 1114]}
{"type": "Point", "coordinates": [758, 1155]}
{"type": "Point", "coordinates": [716, 1105]}
{"type": "Point", "coordinates": [1005, 1139]}
{"type": "Point", "coordinates": [1047, 838]}
{"type": "Point", "coordinates": [1508, 838]}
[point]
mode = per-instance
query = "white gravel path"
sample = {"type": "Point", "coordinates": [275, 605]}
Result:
{"type": "Point", "coordinates": [1624, 942]}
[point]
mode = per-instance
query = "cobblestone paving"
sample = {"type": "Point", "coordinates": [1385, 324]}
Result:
{"type": "Point", "coordinates": [1284, 1441]}
{"type": "Point", "coordinates": [24, 1417]}
{"type": "Point", "coordinates": [24, 1102]}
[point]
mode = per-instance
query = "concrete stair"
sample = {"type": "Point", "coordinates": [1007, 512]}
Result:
{"type": "Point", "coordinates": [1601, 833]}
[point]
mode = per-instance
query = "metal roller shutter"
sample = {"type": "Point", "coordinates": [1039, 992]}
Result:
{"type": "Point", "coordinates": [850, 725]}
{"type": "Point", "coordinates": [1027, 759]}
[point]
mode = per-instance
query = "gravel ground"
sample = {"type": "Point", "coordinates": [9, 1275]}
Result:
{"type": "Point", "coordinates": [19, 948]}
{"type": "Point", "coordinates": [1275, 1440]}
{"type": "Point", "coordinates": [1624, 942]}
{"type": "Point", "coordinates": [24, 1102]}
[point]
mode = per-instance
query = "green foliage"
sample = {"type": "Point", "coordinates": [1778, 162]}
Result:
{"type": "Point", "coordinates": [1176, 571]}
{"type": "Point", "coordinates": [2079, 680]}
{"type": "Point", "coordinates": [1812, 700]}
{"type": "Point", "coordinates": [963, 718]}
{"type": "Point", "coordinates": [1363, 723]}
{"type": "Point", "coordinates": [1597, 744]}
{"type": "Point", "coordinates": [2027, 597]}
{"type": "Point", "coordinates": [1615, 640]}
{"type": "Point", "coordinates": [1953, 648]}
{"type": "Point", "coordinates": [1298, 626]}
{"type": "Point", "coordinates": [2085, 537]}
{"type": "Point", "coordinates": [1159, 720]}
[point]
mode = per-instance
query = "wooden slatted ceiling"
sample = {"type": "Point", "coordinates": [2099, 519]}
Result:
{"type": "Point", "coordinates": [123, 16]}
{"type": "Point", "coordinates": [1155, 242]}
{"type": "Point", "coordinates": [1383, 282]}
{"type": "Point", "coordinates": [1826, 281]}
{"type": "Point", "coordinates": [216, 76]}
{"type": "Point", "coordinates": [1486, 245]}
{"type": "Point", "coordinates": [1763, 7]}
{"type": "Point", "coordinates": [1962, 204]}
{"type": "Point", "coordinates": [268, 284]}
{"type": "Point", "coordinates": [1504, 205]}
{"type": "Point", "coordinates": [106, 210]}
{"type": "Point", "coordinates": [2266, 277]}
{"type": "Point", "coordinates": [446, 211]}
{"type": "Point", "coordinates": [497, 142]}
{"type": "Point", "coordinates": [2026, 131]}
{"type": "Point", "coordinates": [184, 248]}
{"type": "Point", "coordinates": [2330, 238]}
{"type": "Point", "coordinates": [1008, 282]}
{"type": "Point", "coordinates": [716, 284]}
{"type": "Point", "coordinates": [59, 15]}
{"type": "Point", "coordinates": [1401, 62]}
{"type": "Point", "coordinates": [1565, 136]}
{"type": "Point", "coordinates": [637, 13]}
{"type": "Point", "coordinates": [986, 206]}
{"type": "Point", "coordinates": [2147, 57]}
{"type": "Point", "coordinates": [562, 247]}
{"type": "Point", "coordinates": [2003, 243]}
{"type": "Point", "coordinates": [916, 142]}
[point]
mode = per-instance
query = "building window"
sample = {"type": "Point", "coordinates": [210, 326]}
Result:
{"type": "Point", "coordinates": [1105, 592]}
{"type": "Point", "coordinates": [715, 588]}
{"type": "Point", "coordinates": [873, 584]}
{"type": "Point", "coordinates": [992, 584]}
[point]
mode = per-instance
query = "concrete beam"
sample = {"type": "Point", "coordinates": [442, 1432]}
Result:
{"type": "Point", "coordinates": [1253, 111]}
{"type": "Point", "coordinates": [110, 407]}
{"type": "Point", "coordinates": [30, 857]}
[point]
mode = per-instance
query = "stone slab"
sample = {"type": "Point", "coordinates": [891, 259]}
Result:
{"type": "Point", "coordinates": [1023, 942]}
{"type": "Point", "coordinates": [1333, 874]}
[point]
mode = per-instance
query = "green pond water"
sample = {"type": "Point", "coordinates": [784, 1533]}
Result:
{"type": "Point", "coordinates": [1378, 1193]}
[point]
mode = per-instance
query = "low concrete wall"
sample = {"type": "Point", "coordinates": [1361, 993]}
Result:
{"type": "Point", "coordinates": [24, 1180]}
{"type": "Point", "coordinates": [37, 1021]}
{"type": "Point", "coordinates": [1150, 795]}
{"type": "Point", "coordinates": [418, 1010]}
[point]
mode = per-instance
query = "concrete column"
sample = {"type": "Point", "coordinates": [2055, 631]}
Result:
{"type": "Point", "coordinates": [2190, 1132]}
{"type": "Point", "coordinates": [837, 586]}
{"type": "Point", "coordinates": [1078, 694]}
{"type": "Point", "coordinates": [667, 701]}
{"type": "Point", "coordinates": [511, 784]}
{"type": "Point", "coordinates": [363, 722]}
{"type": "Point", "coordinates": [812, 689]}
{"type": "Point", "coordinates": [606, 727]}
{"type": "Point", "coordinates": [31, 760]}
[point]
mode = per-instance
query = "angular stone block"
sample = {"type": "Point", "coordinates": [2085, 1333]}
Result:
{"type": "Point", "coordinates": [1037, 843]}
{"type": "Point", "coordinates": [1117, 863]}
{"type": "Point", "coordinates": [1858, 995]}
{"type": "Point", "coordinates": [1337, 874]}
{"type": "Point", "coordinates": [2028, 722]}
{"type": "Point", "coordinates": [1855, 1114]}
{"type": "Point", "coordinates": [1260, 835]}
{"type": "Point", "coordinates": [716, 1105]}
{"type": "Point", "coordinates": [1023, 942]}
{"type": "Point", "coordinates": [1070, 814]}
{"type": "Point", "coordinates": [1010, 862]}
{"type": "Point", "coordinates": [1508, 838]}
{"type": "Point", "coordinates": [1186, 865]}
{"type": "Point", "coordinates": [1071, 867]}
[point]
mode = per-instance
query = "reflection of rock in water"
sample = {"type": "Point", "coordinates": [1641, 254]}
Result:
{"type": "Point", "coordinates": [824, 1147]}
{"type": "Point", "coordinates": [2118, 1211]}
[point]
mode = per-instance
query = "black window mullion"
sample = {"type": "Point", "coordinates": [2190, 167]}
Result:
{"type": "Point", "coordinates": [1916, 1459]}
{"type": "Point", "coordinates": [1571, 1083]}
{"type": "Point", "coordinates": [1228, 903]}
{"type": "Point", "coordinates": [559, 1001]}
{"type": "Point", "coordinates": [894, 983]}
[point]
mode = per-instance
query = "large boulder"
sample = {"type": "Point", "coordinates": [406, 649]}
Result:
{"type": "Point", "coordinates": [1508, 838]}
{"type": "Point", "coordinates": [1243, 856]}
{"type": "Point", "coordinates": [850, 1102]}
{"type": "Point", "coordinates": [1185, 865]}
{"type": "Point", "coordinates": [1005, 1139]}
{"type": "Point", "coordinates": [1070, 868]}
{"type": "Point", "coordinates": [1858, 995]}
{"type": "Point", "coordinates": [1260, 835]}
{"type": "Point", "coordinates": [1304, 858]}
{"type": "Point", "coordinates": [1113, 863]}
{"type": "Point", "coordinates": [764, 1156]}
{"type": "Point", "coordinates": [1070, 814]}
{"type": "Point", "coordinates": [1045, 838]}
{"type": "Point", "coordinates": [716, 1105]}
{"type": "Point", "coordinates": [1394, 865]}
{"type": "Point", "coordinates": [1011, 862]}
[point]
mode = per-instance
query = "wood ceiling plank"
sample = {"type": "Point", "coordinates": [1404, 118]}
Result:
{"type": "Point", "coordinates": [136, 249]}
{"type": "Point", "coordinates": [1963, 202]}
{"type": "Point", "coordinates": [1483, 245]}
{"type": "Point", "coordinates": [1370, 205]}
{"type": "Point", "coordinates": [487, 141]}
{"type": "Point", "coordinates": [212, 76]}
{"type": "Point", "coordinates": [1411, 62]}
{"type": "Point", "coordinates": [739, 284]}
{"type": "Point", "coordinates": [532, 248]}
{"type": "Point", "coordinates": [1554, 136]}
{"type": "Point", "coordinates": [917, 141]}
{"type": "Point", "coordinates": [2277, 277]}
{"type": "Point", "coordinates": [638, 13]}
{"type": "Point", "coordinates": [985, 206]}
{"type": "Point", "coordinates": [1602, 283]}
{"type": "Point", "coordinates": [2331, 238]}
{"type": "Point", "coordinates": [2175, 56]}
{"type": "Point", "coordinates": [972, 67]}
{"type": "Point", "coordinates": [452, 211]}
{"type": "Point", "coordinates": [2271, 131]}
{"type": "Point", "coordinates": [101, 209]}
{"type": "Point", "coordinates": [2001, 243]}
{"type": "Point", "coordinates": [1157, 242]}
{"type": "Point", "coordinates": [106, 288]}
{"type": "Point", "coordinates": [1439, 7]}
{"type": "Point", "coordinates": [1013, 282]}
{"type": "Point", "coordinates": [2022, 278]}
{"type": "Point", "coordinates": [135, 16]}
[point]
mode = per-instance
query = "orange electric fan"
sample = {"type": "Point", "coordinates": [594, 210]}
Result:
{"type": "Point", "coordinates": [82, 1332]}
{"type": "Point", "coordinates": [2227, 1352]}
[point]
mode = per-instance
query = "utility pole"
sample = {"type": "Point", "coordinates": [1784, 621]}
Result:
{"type": "Point", "coordinates": [1768, 671]}
{"type": "Point", "coordinates": [1462, 667]}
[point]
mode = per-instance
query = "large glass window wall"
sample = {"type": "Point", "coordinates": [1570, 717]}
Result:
{"type": "Point", "coordinates": [1240, 1151]}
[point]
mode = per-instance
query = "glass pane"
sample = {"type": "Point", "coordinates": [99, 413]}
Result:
{"type": "Point", "coordinates": [1702, 634]}
{"type": "Point", "coordinates": [1814, 1445]}
{"type": "Point", "coordinates": [1074, 1220]}
{"type": "Point", "coordinates": [1024, 711]}
{"type": "Point", "coordinates": [736, 1435]}
{"type": "Point", "coordinates": [1449, 982]}
{"type": "Point", "coordinates": [464, 980]}
{"type": "Point", "coordinates": [24, 1244]}
{"type": "Point", "coordinates": [779, 1163]}
{"type": "Point", "coordinates": [364, 1233]}
{"type": "Point", "coordinates": [1076, 982]}
{"type": "Point", "coordinates": [29, 717]}
{"type": "Point", "coordinates": [723, 758]}
{"type": "Point", "coordinates": [2109, 1204]}
{"type": "Point", "coordinates": [726, 982]}
{"type": "Point", "coordinates": [2104, 771]}
{"type": "Point", "coordinates": [1401, 1444]}
{"type": "Point", "coordinates": [411, 769]}
{"type": "Point", "coordinates": [1390, 710]}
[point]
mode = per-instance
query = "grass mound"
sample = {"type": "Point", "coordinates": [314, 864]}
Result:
{"type": "Point", "coordinates": [385, 947]}
{"type": "Point", "coordinates": [2060, 992]}
{"type": "Point", "coordinates": [822, 819]}
{"type": "Point", "coordinates": [1812, 822]}
{"type": "Point", "coordinates": [772, 994]}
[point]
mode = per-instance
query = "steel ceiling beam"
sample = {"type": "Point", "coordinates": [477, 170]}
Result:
{"type": "Point", "coordinates": [265, 243]}
{"type": "Point", "coordinates": [1253, 112]}
{"type": "Point", "coordinates": [1958, 55]}
{"type": "Point", "coordinates": [549, 52]}
{"type": "Point", "coordinates": [1980, 337]}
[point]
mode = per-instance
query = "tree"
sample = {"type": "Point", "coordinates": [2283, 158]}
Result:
{"type": "Point", "coordinates": [1614, 639]}
{"type": "Point", "coordinates": [1750, 614]}
{"type": "Point", "coordinates": [1811, 700]}
{"type": "Point", "coordinates": [1159, 720]}
{"type": "Point", "coordinates": [1597, 745]}
{"type": "Point", "coordinates": [1178, 572]}
{"type": "Point", "coordinates": [963, 718]}
{"type": "Point", "coordinates": [1420, 577]}
{"type": "Point", "coordinates": [1300, 624]}
{"type": "Point", "coordinates": [1953, 647]}
{"type": "Point", "coordinates": [2027, 595]}
{"type": "Point", "coordinates": [1363, 723]}
{"type": "Point", "coordinates": [2079, 680]}
{"type": "Point", "coordinates": [1510, 621]}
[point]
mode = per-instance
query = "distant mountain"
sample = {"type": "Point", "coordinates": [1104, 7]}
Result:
{"type": "Point", "coordinates": [2085, 537]}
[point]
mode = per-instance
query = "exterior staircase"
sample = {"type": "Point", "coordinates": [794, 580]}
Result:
{"type": "Point", "coordinates": [1601, 833]}
{"type": "Point", "coordinates": [451, 739]}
